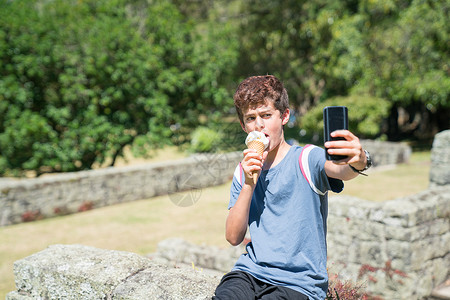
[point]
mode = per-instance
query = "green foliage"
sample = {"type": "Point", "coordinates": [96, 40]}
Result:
{"type": "Point", "coordinates": [408, 54]}
{"type": "Point", "coordinates": [205, 139]}
{"type": "Point", "coordinates": [365, 113]}
{"type": "Point", "coordinates": [80, 80]}
{"type": "Point", "coordinates": [226, 135]}
{"type": "Point", "coordinates": [395, 50]}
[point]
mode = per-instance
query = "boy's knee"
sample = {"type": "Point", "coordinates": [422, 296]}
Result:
{"type": "Point", "coordinates": [234, 285]}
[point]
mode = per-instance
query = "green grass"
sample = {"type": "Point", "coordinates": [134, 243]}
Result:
{"type": "Point", "coordinates": [138, 226]}
{"type": "Point", "coordinates": [391, 183]}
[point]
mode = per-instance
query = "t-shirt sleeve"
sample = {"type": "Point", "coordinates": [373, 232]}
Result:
{"type": "Point", "coordinates": [319, 177]}
{"type": "Point", "coordinates": [236, 185]}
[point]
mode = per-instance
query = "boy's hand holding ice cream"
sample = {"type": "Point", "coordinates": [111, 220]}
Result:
{"type": "Point", "coordinates": [258, 141]}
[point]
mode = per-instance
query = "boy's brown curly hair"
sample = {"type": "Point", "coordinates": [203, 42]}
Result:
{"type": "Point", "coordinates": [257, 90]}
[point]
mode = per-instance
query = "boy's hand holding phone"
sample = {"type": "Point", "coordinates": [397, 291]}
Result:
{"type": "Point", "coordinates": [342, 146]}
{"type": "Point", "coordinates": [334, 118]}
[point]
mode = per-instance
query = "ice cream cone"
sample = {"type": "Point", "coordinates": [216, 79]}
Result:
{"type": "Point", "coordinates": [259, 147]}
{"type": "Point", "coordinates": [258, 141]}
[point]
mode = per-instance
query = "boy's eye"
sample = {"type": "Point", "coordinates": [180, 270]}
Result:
{"type": "Point", "coordinates": [250, 119]}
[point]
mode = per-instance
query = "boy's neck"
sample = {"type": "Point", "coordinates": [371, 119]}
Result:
{"type": "Point", "coordinates": [275, 156]}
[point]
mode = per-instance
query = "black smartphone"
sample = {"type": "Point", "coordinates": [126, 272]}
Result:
{"type": "Point", "coordinates": [334, 118]}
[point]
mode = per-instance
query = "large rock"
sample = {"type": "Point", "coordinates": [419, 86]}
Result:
{"type": "Point", "coordinates": [82, 272]}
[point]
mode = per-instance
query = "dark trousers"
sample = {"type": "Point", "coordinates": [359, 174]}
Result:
{"type": "Point", "coordinates": [238, 285]}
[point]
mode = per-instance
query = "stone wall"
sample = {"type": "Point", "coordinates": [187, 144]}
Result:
{"type": "Point", "coordinates": [387, 153]}
{"type": "Point", "coordinates": [34, 199]}
{"type": "Point", "coordinates": [398, 249]}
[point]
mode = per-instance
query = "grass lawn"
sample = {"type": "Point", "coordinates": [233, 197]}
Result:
{"type": "Point", "coordinates": [138, 226]}
{"type": "Point", "coordinates": [388, 183]}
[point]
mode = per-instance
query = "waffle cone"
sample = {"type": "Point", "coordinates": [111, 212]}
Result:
{"type": "Point", "coordinates": [259, 147]}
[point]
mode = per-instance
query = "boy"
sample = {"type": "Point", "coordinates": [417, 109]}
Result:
{"type": "Point", "coordinates": [286, 209]}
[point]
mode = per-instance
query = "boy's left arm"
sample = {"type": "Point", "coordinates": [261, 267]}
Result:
{"type": "Point", "coordinates": [351, 147]}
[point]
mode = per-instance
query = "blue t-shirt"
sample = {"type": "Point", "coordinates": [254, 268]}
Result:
{"type": "Point", "coordinates": [287, 222]}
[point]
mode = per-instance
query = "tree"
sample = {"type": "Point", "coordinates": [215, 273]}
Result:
{"type": "Point", "coordinates": [409, 65]}
{"type": "Point", "coordinates": [394, 50]}
{"type": "Point", "coordinates": [80, 80]}
{"type": "Point", "coordinates": [289, 39]}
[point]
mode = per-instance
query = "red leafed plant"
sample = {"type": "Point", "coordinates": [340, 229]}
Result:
{"type": "Point", "coordinates": [85, 206]}
{"type": "Point", "coordinates": [346, 290]}
{"type": "Point", "coordinates": [30, 216]}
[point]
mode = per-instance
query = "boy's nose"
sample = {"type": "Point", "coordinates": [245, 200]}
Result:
{"type": "Point", "coordinates": [259, 123]}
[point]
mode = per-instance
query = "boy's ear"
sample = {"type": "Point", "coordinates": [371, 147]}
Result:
{"type": "Point", "coordinates": [285, 116]}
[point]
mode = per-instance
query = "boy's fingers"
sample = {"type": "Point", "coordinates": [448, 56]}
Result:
{"type": "Point", "coordinates": [265, 153]}
{"type": "Point", "coordinates": [247, 151]}
{"type": "Point", "coordinates": [343, 133]}
{"type": "Point", "coordinates": [350, 151]}
{"type": "Point", "coordinates": [255, 158]}
{"type": "Point", "coordinates": [252, 159]}
{"type": "Point", "coordinates": [342, 144]}
{"type": "Point", "coordinates": [251, 153]}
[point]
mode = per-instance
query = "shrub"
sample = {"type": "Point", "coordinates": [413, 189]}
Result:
{"type": "Point", "coordinates": [205, 140]}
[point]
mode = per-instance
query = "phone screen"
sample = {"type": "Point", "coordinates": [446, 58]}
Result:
{"type": "Point", "coordinates": [334, 118]}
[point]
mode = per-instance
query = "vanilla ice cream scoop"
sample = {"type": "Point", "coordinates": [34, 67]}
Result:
{"type": "Point", "coordinates": [258, 141]}
{"type": "Point", "coordinates": [257, 136]}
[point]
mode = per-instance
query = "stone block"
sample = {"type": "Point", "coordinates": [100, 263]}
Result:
{"type": "Point", "coordinates": [440, 159]}
{"type": "Point", "coordinates": [176, 250]}
{"type": "Point", "coordinates": [348, 206]}
{"type": "Point", "coordinates": [387, 153]}
{"type": "Point", "coordinates": [373, 252]}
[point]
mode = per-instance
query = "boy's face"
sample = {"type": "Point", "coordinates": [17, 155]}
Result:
{"type": "Point", "coordinates": [267, 119]}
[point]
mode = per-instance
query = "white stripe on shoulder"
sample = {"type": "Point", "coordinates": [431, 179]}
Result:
{"type": "Point", "coordinates": [307, 172]}
{"type": "Point", "coordinates": [237, 173]}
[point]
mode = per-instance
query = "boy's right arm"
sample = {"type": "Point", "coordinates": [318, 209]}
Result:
{"type": "Point", "coordinates": [237, 220]}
